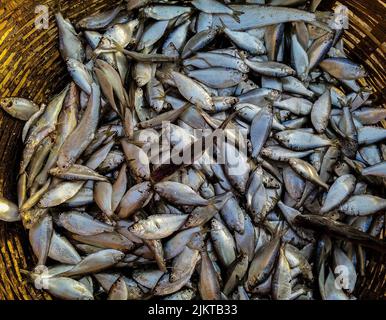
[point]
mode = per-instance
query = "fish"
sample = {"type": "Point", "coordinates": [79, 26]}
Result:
{"type": "Point", "coordinates": [209, 286]}
{"type": "Point", "coordinates": [360, 205]}
{"type": "Point", "coordinates": [152, 34]}
{"type": "Point", "coordinates": [83, 134]}
{"type": "Point", "coordinates": [190, 255]}
{"type": "Point", "coordinates": [9, 211]}
{"type": "Point", "coordinates": [99, 20]}
{"type": "Point", "coordinates": [281, 279]}
{"type": "Point", "coordinates": [179, 194]}
{"type": "Point", "coordinates": [158, 226]}
{"type": "Point", "coordinates": [215, 7]}
{"type": "Point", "coordinates": [67, 289]}
{"type": "Point", "coordinates": [342, 68]}
{"type": "Point", "coordinates": [263, 263]}
{"type": "Point", "coordinates": [42, 128]}
{"type": "Point", "coordinates": [192, 91]}
{"type": "Point", "coordinates": [245, 41]}
{"type": "Point", "coordinates": [339, 191]}
{"type": "Point", "coordinates": [67, 122]}
{"type": "Point", "coordinates": [223, 242]}
{"type": "Point", "coordinates": [95, 262]}
{"type": "Point", "coordinates": [198, 41]}
{"type": "Point", "coordinates": [70, 45]}
{"type": "Point", "coordinates": [77, 172]}
{"type": "Point", "coordinates": [134, 199]}
{"type": "Point", "coordinates": [165, 12]}
{"type": "Point", "coordinates": [270, 68]}
{"type": "Point", "coordinates": [260, 130]}
{"type": "Point", "coordinates": [80, 75]}
{"type": "Point", "coordinates": [306, 171]}
{"type": "Point", "coordinates": [118, 290]}
{"type": "Point", "coordinates": [19, 108]}
{"type": "Point", "coordinates": [236, 273]}
{"type": "Point", "coordinates": [204, 60]}
{"type": "Point", "coordinates": [83, 224]}
{"type": "Point", "coordinates": [218, 78]}
{"type": "Point", "coordinates": [299, 140]}
{"type": "Point", "coordinates": [40, 238]}
{"type": "Point", "coordinates": [375, 170]}
{"type": "Point", "coordinates": [256, 16]}
{"type": "Point", "coordinates": [62, 250]}
{"type": "Point", "coordinates": [320, 112]}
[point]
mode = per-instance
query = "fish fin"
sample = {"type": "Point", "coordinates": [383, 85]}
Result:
{"type": "Point", "coordinates": [236, 15]}
{"type": "Point", "coordinates": [223, 26]}
{"type": "Point", "coordinates": [160, 97]}
{"type": "Point", "coordinates": [219, 200]}
{"type": "Point", "coordinates": [141, 14]}
{"type": "Point", "coordinates": [139, 144]}
{"type": "Point", "coordinates": [206, 117]}
{"type": "Point", "coordinates": [336, 143]}
{"type": "Point", "coordinates": [206, 61]}
{"type": "Point", "coordinates": [280, 233]}
{"type": "Point", "coordinates": [185, 107]}
{"type": "Point", "coordinates": [336, 129]}
{"type": "Point", "coordinates": [111, 134]}
{"type": "Point", "coordinates": [25, 272]}
{"type": "Point", "coordinates": [319, 24]}
{"type": "Point", "coordinates": [117, 46]}
{"type": "Point", "coordinates": [164, 75]}
{"type": "Point", "coordinates": [228, 120]}
{"type": "Point", "coordinates": [204, 230]}
{"type": "Point", "coordinates": [148, 296]}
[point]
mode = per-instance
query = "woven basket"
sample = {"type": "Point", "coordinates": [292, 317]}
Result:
{"type": "Point", "coordinates": [31, 67]}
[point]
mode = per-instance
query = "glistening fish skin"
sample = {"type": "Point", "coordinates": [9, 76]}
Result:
{"type": "Point", "coordinates": [378, 170]}
{"type": "Point", "coordinates": [299, 140]}
{"type": "Point", "coordinates": [343, 68]}
{"type": "Point", "coordinates": [339, 192]}
{"type": "Point", "coordinates": [9, 211]}
{"type": "Point", "coordinates": [361, 205]}
{"type": "Point", "coordinates": [19, 108]}
{"type": "Point", "coordinates": [260, 129]}
{"type": "Point", "coordinates": [79, 139]}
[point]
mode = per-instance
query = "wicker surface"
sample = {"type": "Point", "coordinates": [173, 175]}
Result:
{"type": "Point", "coordinates": [30, 66]}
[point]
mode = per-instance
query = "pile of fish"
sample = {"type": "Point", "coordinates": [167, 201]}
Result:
{"type": "Point", "coordinates": [280, 128]}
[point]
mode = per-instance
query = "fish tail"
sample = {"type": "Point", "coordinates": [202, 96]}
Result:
{"type": "Point", "coordinates": [223, 26]}
{"type": "Point", "coordinates": [212, 201]}
{"type": "Point", "coordinates": [228, 120]}
{"type": "Point", "coordinates": [28, 275]}
{"type": "Point", "coordinates": [336, 143]}
{"type": "Point", "coordinates": [118, 47]}
{"type": "Point", "coordinates": [160, 97]}
{"type": "Point", "coordinates": [280, 233]}
{"type": "Point", "coordinates": [139, 144]}
{"type": "Point", "coordinates": [204, 230]}
{"type": "Point", "coordinates": [25, 272]}
{"type": "Point", "coordinates": [148, 296]}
